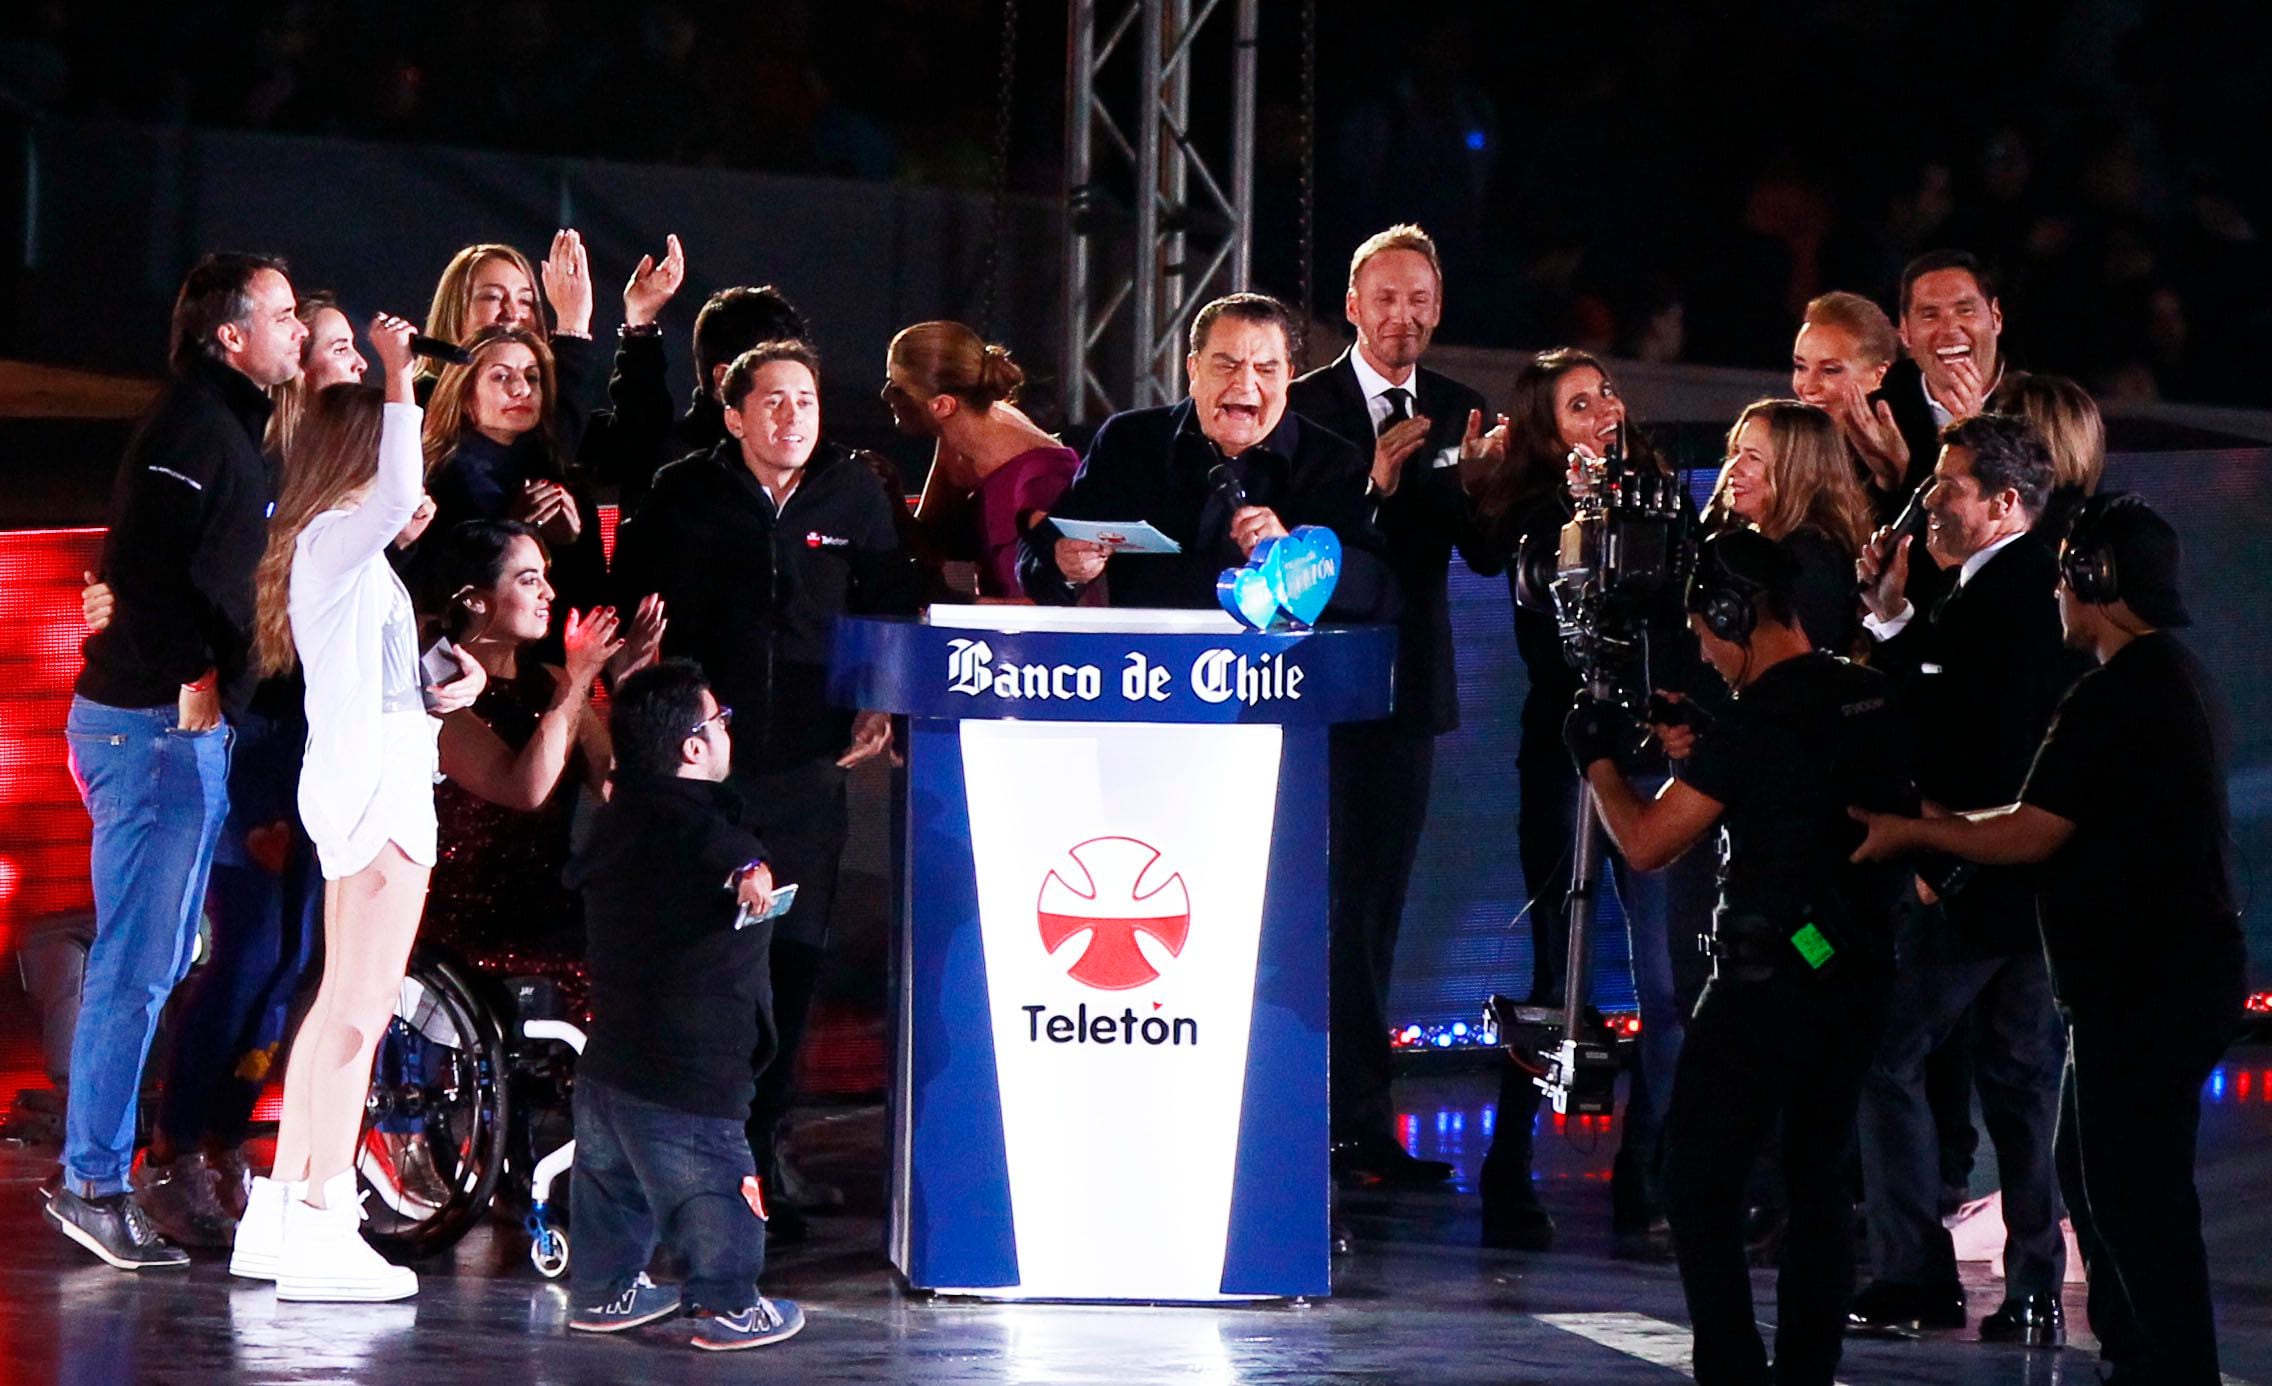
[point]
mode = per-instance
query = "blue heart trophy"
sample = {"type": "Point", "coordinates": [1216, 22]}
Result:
{"type": "Point", "coordinates": [1285, 582]}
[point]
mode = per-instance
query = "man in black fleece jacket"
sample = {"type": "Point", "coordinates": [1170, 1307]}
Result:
{"type": "Point", "coordinates": [756, 547]}
{"type": "Point", "coordinates": [149, 727]}
{"type": "Point", "coordinates": [675, 894]}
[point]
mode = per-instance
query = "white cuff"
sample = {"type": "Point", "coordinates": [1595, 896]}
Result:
{"type": "Point", "coordinates": [1892, 625]}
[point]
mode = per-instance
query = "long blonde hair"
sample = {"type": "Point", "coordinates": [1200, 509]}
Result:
{"type": "Point", "coordinates": [334, 452]}
{"type": "Point", "coordinates": [453, 295]}
{"type": "Point", "coordinates": [1811, 475]}
{"type": "Point", "coordinates": [449, 413]}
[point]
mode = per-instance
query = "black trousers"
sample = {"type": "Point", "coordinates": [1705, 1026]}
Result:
{"type": "Point", "coordinates": [1788, 1049]}
{"type": "Point", "coordinates": [2016, 1057]}
{"type": "Point", "coordinates": [2129, 1113]}
{"type": "Point", "coordinates": [1380, 779]}
{"type": "Point", "coordinates": [800, 815]}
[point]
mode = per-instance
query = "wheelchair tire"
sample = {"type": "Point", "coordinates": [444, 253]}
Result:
{"type": "Point", "coordinates": [440, 1082]}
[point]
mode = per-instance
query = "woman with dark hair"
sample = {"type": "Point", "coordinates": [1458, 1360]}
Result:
{"type": "Point", "coordinates": [513, 760]}
{"type": "Point", "coordinates": [994, 472]}
{"type": "Point", "coordinates": [1565, 410]}
{"type": "Point", "coordinates": [493, 453]}
{"type": "Point", "coordinates": [329, 601]}
{"type": "Point", "coordinates": [1790, 475]}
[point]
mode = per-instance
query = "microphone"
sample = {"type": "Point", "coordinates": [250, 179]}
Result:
{"type": "Point", "coordinates": [1225, 483]}
{"type": "Point", "coordinates": [449, 353]}
{"type": "Point", "coordinates": [1913, 513]}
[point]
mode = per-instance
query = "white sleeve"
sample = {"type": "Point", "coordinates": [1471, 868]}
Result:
{"type": "Point", "coordinates": [1892, 625]}
{"type": "Point", "coordinates": [343, 545]}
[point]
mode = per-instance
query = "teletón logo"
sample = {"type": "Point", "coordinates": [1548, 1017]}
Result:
{"type": "Point", "coordinates": [1112, 891]}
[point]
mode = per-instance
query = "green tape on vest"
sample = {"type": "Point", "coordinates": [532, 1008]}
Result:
{"type": "Point", "coordinates": [1812, 946]}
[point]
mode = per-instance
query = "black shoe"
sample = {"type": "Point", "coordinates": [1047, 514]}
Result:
{"type": "Point", "coordinates": [1913, 1307]}
{"type": "Point", "coordinates": [2035, 1321]}
{"type": "Point", "coordinates": [1652, 1243]}
{"type": "Point", "coordinates": [115, 1228]}
{"type": "Point", "coordinates": [1383, 1161]}
{"type": "Point", "coordinates": [1512, 1217]}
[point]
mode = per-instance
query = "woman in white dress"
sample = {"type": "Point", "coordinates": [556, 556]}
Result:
{"type": "Point", "coordinates": [330, 600]}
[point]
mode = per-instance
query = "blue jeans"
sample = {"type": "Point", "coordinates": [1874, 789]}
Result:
{"type": "Point", "coordinates": [645, 1171]}
{"type": "Point", "coordinates": [157, 797]}
{"type": "Point", "coordinates": [229, 1033]}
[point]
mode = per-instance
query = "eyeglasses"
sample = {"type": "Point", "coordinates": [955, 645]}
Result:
{"type": "Point", "coordinates": [724, 717]}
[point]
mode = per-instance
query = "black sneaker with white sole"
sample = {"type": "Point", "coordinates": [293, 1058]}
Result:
{"type": "Point", "coordinates": [766, 1322]}
{"type": "Point", "coordinates": [115, 1228]}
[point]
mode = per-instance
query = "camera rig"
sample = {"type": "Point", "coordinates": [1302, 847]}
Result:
{"type": "Point", "coordinates": [1626, 552]}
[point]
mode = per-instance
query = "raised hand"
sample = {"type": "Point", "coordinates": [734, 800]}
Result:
{"type": "Point", "coordinates": [653, 285]}
{"type": "Point", "coordinates": [590, 640]}
{"type": "Point", "coordinates": [1870, 429]}
{"type": "Point", "coordinates": [1398, 443]}
{"type": "Point", "coordinates": [1882, 568]}
{"type": "Point", "coordinates": [568, 284]}
{"type": "Point", "coordinates": [643, 643]}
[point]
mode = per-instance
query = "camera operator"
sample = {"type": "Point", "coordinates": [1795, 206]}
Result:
{"type": "Point", "coordinates": [1802, 964]}
{"type": "Point", "coordinates": [2126, 808]}
{"type": "Point", "coordinates": [1979, 676]}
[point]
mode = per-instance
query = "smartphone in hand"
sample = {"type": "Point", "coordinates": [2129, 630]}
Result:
{"type": "Point", "coordinates": [783, 898]}
{"type": "Point", "coordinates": [439, 665]}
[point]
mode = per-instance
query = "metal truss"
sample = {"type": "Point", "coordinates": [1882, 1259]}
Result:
{"type": "Point", "coordinates": [1158, 229]}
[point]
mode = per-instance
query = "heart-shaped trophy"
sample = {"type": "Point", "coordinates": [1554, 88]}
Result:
{"type": "Point", "coordinates": [1285, 581]}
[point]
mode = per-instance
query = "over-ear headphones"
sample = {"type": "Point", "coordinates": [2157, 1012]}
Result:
{"type": "Point", "coordinates": [1723, 592]}
{"type": "Point", "coordinates": [2087, 560]}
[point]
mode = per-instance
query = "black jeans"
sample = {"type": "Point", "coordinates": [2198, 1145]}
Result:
{"type": "Point", "coordinates": [2129, 1113]}
{"type": "Point", "coordinates": [801, 816]}
{"type": "Point", "coordinates": [2016, 1057]}
{"type": "Point", "coordinates": [1380, 776]}
{"type": "Point", "coordinates": [1791, 1049]}
{"type": "Point", "coordinates": [646, 1172]}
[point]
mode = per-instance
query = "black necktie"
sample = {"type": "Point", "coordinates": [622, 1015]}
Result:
{"type": "Point", "coordinates": [1399, 407]}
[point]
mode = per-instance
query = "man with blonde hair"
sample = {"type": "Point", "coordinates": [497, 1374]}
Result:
{"type": "Point", "coordinates": [1415, 426]}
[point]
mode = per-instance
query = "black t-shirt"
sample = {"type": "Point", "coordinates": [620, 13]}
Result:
{"type": "Point", "coordinates": [1809, 737]}
{"type": "Point", "coordinates": [682, 1001]}
{"type": "Point", "coordinates": [2139, 903]}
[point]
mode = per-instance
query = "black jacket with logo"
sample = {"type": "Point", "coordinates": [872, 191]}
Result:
{"type": "Point", "coordinates": [188, 523]}
{"type": "Point", "coordinates": [752, 595]}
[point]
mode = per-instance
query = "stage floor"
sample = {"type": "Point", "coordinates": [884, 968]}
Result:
{"type": "Point", "coordinates": [1417, 1302]}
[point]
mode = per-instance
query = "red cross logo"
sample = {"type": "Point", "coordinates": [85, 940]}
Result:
{"type": "Point", "coordinates": [1110, 891]}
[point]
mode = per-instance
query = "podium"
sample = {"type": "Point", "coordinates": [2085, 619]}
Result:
{"type": "Point", "coordinates": [1109, 1070]}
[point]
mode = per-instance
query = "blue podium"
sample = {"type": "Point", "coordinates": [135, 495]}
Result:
{"type": "Point", "coordinates": [1110, 1061]}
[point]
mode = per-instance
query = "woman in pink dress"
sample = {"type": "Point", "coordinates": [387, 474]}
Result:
{"type": "Point", "coordinates": [995, 472]}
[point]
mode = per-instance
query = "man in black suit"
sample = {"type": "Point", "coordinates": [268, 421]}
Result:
{"type": "Point", "coordinates": [1414, 425]}
{"type": "Point", "coordinates": [1952, 326]}
{"type": "Point", "coordinates": [1219, 473]}
{"type": "Point", "coordinates": [1980, 676]}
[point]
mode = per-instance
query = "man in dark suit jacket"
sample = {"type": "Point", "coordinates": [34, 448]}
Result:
{"type": "Point", "coordinates": [1219, 473]}
{"type": "Point", "coordinates": [1412, 425]}
{"type": "Point", "coordinates": [1952, 325]}
{"type": "Point", "coordinates": [1980, 675]}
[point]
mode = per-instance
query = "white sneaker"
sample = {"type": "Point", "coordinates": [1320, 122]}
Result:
{"type": "Point", "coordinates": [260, 1233]}
{"type": "Point", "coordinates": [324, 1256]}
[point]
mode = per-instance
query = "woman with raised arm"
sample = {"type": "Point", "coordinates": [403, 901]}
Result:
{"type": "Point", "coordinates": [329, 601]}
{"type": "Point", "coordinates": [492, 285]}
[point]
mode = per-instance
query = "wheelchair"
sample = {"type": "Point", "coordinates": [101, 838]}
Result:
{"type": "Point", "coordinates": [469, 1102]}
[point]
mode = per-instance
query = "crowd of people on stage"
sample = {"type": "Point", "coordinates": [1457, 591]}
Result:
{"type": "Point", "coordinates": [350, 637]}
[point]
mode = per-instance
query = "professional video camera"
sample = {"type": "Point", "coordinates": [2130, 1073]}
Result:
{"type": "Point", "coordinates": [1624, 555]}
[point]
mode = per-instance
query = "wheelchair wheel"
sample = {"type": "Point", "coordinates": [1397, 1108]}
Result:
{"type": "Point", "coordinates": [436, 1126]}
